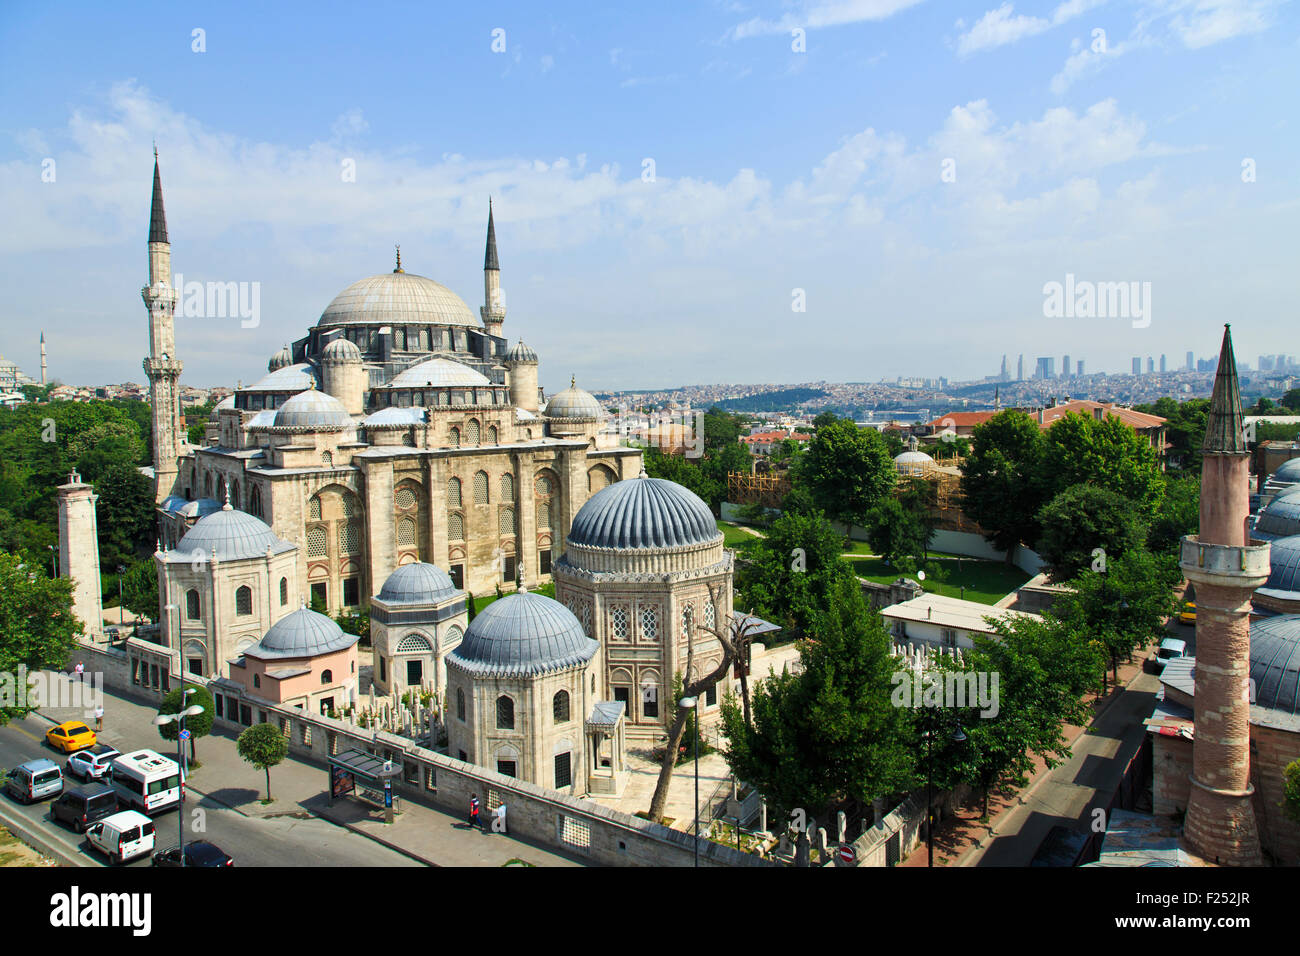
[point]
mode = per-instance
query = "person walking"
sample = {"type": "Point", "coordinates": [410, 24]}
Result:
{"type": "Point", "coordinates": [499, 826]}
{"type": "Point", "coordinates": [80, 670]}
{"type": "Point", "coordinates": [99, 718]}
{"type": "Point", "coordinates": [473, 811]}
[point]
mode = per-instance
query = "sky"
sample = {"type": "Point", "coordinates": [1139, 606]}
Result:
{"type": "Point", "coordinates": [837, 190]}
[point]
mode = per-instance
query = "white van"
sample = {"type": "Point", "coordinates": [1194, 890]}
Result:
{"type": "Point", "coordinates": [123, 836]}
{"type": "Point", "coordinates": [147, 781]}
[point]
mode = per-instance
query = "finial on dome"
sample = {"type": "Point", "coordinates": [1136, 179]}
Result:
{"type": "Point", "coordinates": [226, 506]}
{"type": "Point", "coordinates": [399, 258]}
{"type": "Point", "coordinates": [573, 381]}
{"type": "Point", "coordinates": [643, 473]}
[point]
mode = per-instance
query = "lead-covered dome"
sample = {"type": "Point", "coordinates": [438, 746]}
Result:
{"type": "Point", "coordinates": [521, 354]}
{"type": "Point", "coordinates": [1275, 664]}
{"type": "Point", "coordinates": [439, 373]}
{"type": "Point", "coordinates": [312, 409]}
{"type": "Point", "coordinates": [1279, 519]}
{"type": "Point", "coordinates": [304, 633]}
{"type": "Point", "coordinates": [397, 298]}
{"type": "Point", "coordinates": [520, 635]}
{"type": "Point", "coordinates": [228, 535]}
{"type": "Point", "coordinates": [1284, 570]}
{"type": "Point", "coordinates": [418, 583]}
{"type": "Point", "coordinates": [573, 402]}
{"type": "Point", "coordinates": [1288, 471]}
{"type": "Point", "coordinates": [281, 359]}
{"type": "Point", "coordinates": [644, 513]}
{"type": "Point", "coordinates": [341, 350]}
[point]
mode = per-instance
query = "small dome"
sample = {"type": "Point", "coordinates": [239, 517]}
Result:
{"type": "Point", "coordinates": [573, 402]}
{"type": "Point", "coordinates": [522, 634]}
{"type": "Point", "coordinates": [228, 535]}
{"type": "Point", "coordinates": [1275, 663]}
{"type": "Point", "coordinates": [913, 463]}
{"type": "Point", "coordinates": [341, 350]}
{"type": "Point", "coordinates": [227, 402]}
{"type": "Point", "coordinates": [312, 409]}
{"type": "Point", "coordinates": [418, 583]}
{"type": "Point", "coordinates": [439, 373]}
{"type": "Point", "coordinates": [395, 417]}
{"type": "Point", "coordinates": [1284, 569]}
{"type": "Point", "coordinates": [1279, 519]}
{"type": "Point", "coordinates": [397, 298]}
{"type": "Point", "coordinates": [521, 354]}
{"type": "Point", "coordinates": [291, 378]}
{"type": "Point", "coordinates": [1288, 471]}
{"type": "Point", "coordinates": [644, 513]}
{"type": "Point", "coordinates": [304, 633]}
{"type": "Point", "coordinates": [281, 359]}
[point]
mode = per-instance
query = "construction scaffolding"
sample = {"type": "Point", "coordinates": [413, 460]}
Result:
{"type": "Point", "coordinates": [766, 490]}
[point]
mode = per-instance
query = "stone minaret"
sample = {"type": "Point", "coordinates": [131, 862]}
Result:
{"type": "Point", "coordinates": [162, 367]}
{"type": "Point", "coordinates": [1226, 569]}
{"type": "Point", "coordinates": [42, 356]}
{"type": "Point", "coordinates": [79, 552]}
{"type": "Point", "coordinates": [494, 308]}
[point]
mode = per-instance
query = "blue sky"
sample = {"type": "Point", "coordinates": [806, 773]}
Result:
{"type": "Point", "coordinates": [1113, 156]}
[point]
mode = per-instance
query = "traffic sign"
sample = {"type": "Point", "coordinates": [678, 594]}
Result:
{"type": "Point", "coordinates": [185, 735]}
{"type": "Point", "coordinates": [848, 854]}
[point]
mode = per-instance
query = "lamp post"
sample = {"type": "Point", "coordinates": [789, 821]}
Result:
{"type": "Point", "coordinates": [54, 556]}
{"type": "Point", "coordinates": [121, 609]}
{"type": "Point", "coordinates": [695, 827]}
{"type": "Point", "coordinates": [179, 719]}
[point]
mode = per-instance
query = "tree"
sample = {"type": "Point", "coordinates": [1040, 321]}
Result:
{"type": "Point", "coordinates": [894, 531]}
{"type": "Point", "coordinates": [790, 571]}
{"type": "Point", "coordinates": [1291, 400]}
{"type": "Point", "coordinates": [1001, 479]}
{"type": "Point", "coordinates": [828, 735]}
{"type": "Point", "coordinates": [920, 498]}
{"type": "Point", "coordinates": [1105, 453]}
{"type": "Point", "coordinates": [1179, 514]}
{"type": "Point", "coordinates": [125, 515]}
{"type": "Point", "coordinates": [678, 469]}
{"type": "Point", "coordinates": [847, 470]}
{"type": "Point", "coordinates": [140, 589]}
{"type": "Point", "coordinates": [1291, 790]}
{"type": "Point", "coordinates": [1081, 519]}
{"type": "Point", "coordinates": [264, 747]}
{"type": "Point", "coordinates": [199, 725]}
{"type": "Point", "coordinates": [37, 624]}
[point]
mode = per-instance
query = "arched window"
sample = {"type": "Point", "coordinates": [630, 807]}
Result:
{"type": "Point", "coordinates": [544, 486]}
{"type": "Point", "coordinates": [255, 502]}
{"type": "Point", "coordinates": [326, 676]}
{"type": "Point", "coordinates": [284, 591]}
{"type": "Point", "coordinates": [350, 537]}
{"type": "Point", "coordinates": [649, 622]}
{"type": "Point", "coordinates": [453, 492]}
{"type": "Point", "coordinates": [493, 437]}
{"type": "Point", "coordinates": [327, 459]}
{"type": "Point", "coordinates": [460, 704]}
{"type": "Point", "coordinates": [618, 618]}
{"type": "Point", "coordinates": [543, 516]}
{"type": "Point", "coordinates": [710, 616]}
{"type": "Point", "coordinates": [317, 538]}
{"type": "Point", "coordinates": [506, 521]}
{"type": "Point", "coordinates": [505, 713]}
{"type": "Point", "coordinates": [507, 487]}
{"type": "Point", "coordinates": [244, 600]}
{"type": "Point", "coordinates": [480, 488]}
{"type": "Point", "coordinates": [235, 500]}
{"type": "Point", "coordinates": [455, 438]}
{"type": "Point", "coordinates": [313, 508]}
{"type": "Point", "coordinates": [560, 707]}
{"type": "Point", "coordinates": [686, 622]}
{"type": "Point", "coordinates": [192, 609]}
{"type": "Point", "coordinates": [455, 527]}
{"type": "Point", "coordinates": [598, 478]}
{"type": "Point", "coordinates": [472, 432]}
{"type": "Point", "coordinates": [257, 680]}
{"type": "Point", "coordinates": [349, 504]}
{"type": "Point", "coordinates": [207, 486]}
{"type": "Point", "coordinates": [406, 532]}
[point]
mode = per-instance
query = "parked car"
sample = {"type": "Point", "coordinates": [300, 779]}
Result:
{"type": "Point", "coordinates": [35, 780]}
{"type": "Point", "coordinates": [198, 853]}
{"type": "Point", "coordinates": [70, 736]}
{"type": "Point", "coordinates": [1171, 648]}
{"type": "Point", "coordinates": [93, 763]}
{"type": "Point", "coordinates": [82, 806]}
{"type": "Point", "coordinates": [1188, 614]}
{"type": "Point", "coordinates": [123, 836]}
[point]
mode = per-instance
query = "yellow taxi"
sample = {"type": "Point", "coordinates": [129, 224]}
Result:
{"type": "Point", "coordinates": [1188, 614]}
{"type": "Point", "coordinates": [70, 736]}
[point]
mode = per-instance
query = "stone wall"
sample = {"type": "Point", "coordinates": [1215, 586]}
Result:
{"type": "Point", "coordinates": [1171, 770]}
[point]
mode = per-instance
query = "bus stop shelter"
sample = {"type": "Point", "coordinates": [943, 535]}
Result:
{"type": "Point", "coordinates": [366, 777]}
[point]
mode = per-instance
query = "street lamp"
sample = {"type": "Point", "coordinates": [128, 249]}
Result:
{"type": "Point", "coordinates": [54, 556]}
{"type": "Point", "coordinates": [695, 702]}
{"type": "Point", "coordinates": [179, 719]}
{"type": "Point", "coordinates": [121, 609]}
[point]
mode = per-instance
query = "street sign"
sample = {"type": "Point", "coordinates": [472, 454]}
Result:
{"type": "Point", "coordinates": [185, 735]}
{"type": "Point", "coordinates": [848, 854]}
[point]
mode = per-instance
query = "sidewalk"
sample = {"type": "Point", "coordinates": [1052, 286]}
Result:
{"type": "Point", "coordinates": [299, 789]}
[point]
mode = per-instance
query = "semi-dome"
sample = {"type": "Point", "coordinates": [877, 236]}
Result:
{"type": "Point", "coordinates": [291, 378]}
{"type": "Point", "coordinates": [418, 583]}
{"type": "Point", "coordinates": [397, 298]}
{"type": "Point", "coordinates": [312, 409]}
{"type": "Point", "coordinates": [521, 354]}
{"type": "Point", "coordinates": [280, 359]}
{"type": "Point", "coordinates": [573, 402]}
{"type": "Point", "coordinates": [394, 416]}
{"type": "Point", "coordinates": [341, 350]}
{"type": "Point", "coordinates": [522, 634]}
{"type": "Point", "coordinates": [304, 633]}
{"type": "Point", "coordinates": [227, 402]}
{"type": "Point", "coordinates": [644, 513]}
{"type": "Point", "coordinates": [439, 373]}
{"type": "Point", "coordinates": [1275, 663]}
{"type": "Point", "coordinates": [1279, 519]}
{"type": "Point", "coordinates": [228, 535]}
{"type": "Point", "coordinates": [1284, 569]}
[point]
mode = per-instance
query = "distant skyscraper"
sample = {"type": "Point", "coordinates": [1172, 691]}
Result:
{"type": "Point", "coordinates": [1164, 365]}
{"type": "Point", "coordinates": [1266, 363]}
{"type": "Point", "coordinates": [1020, 368]}
{"type": "Point", "coordinates": [1080, 372]}
{"type": "Point", "coordinates": [1046, 367]}
{"type": "Point", "coordinates": [1002, 376]}
{"type": "Point", "coordinates": [42, 357]}
{"type": "Point", "coordinates": [1191, 362]}
{"type": "Point", "coordinates": [1151, 365]}
{"type": "Point", "coordinates": [1065, 366]}
{"type": "Point", "coordinates": [1137, 365]}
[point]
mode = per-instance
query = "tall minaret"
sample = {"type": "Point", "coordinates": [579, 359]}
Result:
{"type": "Point", "coordinates": [162, 367]}
{"type": "Point", "coordinates": [79, 552]}
{"type": "Point", "coordinates": [42, 356]}
{"type": "Point", "coordinates": [1225, 569]}
{"type": "Point", "coordinates": [494, 308]}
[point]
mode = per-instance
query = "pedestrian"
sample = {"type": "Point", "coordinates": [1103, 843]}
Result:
{"type": "Point", "coordinates": [81, 671]}
{"type": "Point", "coordinates": [473, 810]}
{"type": "Point", "coordinates": [99, 718]}
{"type": "Point", "coordinates": [500, 825]}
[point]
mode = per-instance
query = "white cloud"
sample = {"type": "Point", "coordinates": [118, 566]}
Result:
{"type": "Point", "coordinates": [822, 13]}
{"type": "Point", "coordinates": [1202, 23]}
{"type": "Point", "coordinates": [1003, 26]}
{"type": "Point", "coordinates": [548, 63]}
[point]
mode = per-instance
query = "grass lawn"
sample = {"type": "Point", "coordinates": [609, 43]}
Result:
{"type": "Point", "coordinates": [734, 536]}
{"type": "Point", "coordinates": [985, 581]}
{"type": "Point", "coordinates": [480, 603]}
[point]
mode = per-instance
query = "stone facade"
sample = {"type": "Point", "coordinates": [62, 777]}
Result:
{"type": "Point", "coordinates": [79, 553]}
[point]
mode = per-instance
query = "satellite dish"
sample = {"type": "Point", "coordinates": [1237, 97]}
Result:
{"type": "Point", "coordinates": [920, 575]}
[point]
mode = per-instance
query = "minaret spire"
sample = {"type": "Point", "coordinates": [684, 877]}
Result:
{"type": "Point", "coordinates": [157, 215]}
{"type": "Point", "coordinates": [494, 303]}
{"type": "Point", "coordinates": [490, 260]}
{"type": "Point", "coordinates": [162, 366]}
{"type": "Point", "coordinates": [1224, 434]}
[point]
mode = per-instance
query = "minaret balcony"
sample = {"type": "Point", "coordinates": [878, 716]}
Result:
{"type": "Point", "coordinates": [1224, 565]}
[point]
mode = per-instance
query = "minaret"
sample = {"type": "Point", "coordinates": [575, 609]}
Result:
{"type": "Point", "coordinates": [162, 367]}
{"type": "Point", "coordinates": [1225, 569]}
{"type": "Point", "coordinates": [42, 356]}
{"type": "Point", "coordinates": [79, 553]}
{"type": "Point", "coordinates": [494, 308]}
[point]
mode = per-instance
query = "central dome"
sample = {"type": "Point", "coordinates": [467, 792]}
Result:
{"type": "Point", "coordinates": [521, 634]}
{"type": "Point", "coordinates": [228, 535]}
{"type": "Point", "coordinates": [644, 513]}
{"type": "Point", "coordinates": [397, 298]}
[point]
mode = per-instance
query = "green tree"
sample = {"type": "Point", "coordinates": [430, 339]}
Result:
{"type": "Point", "coordinates": [1179, 514]}
{"type": "Point", "coordinates": [1184, 430]}
{"type": "Point", "coordinates": [264, 747]}
{"type": "Point", "coordinates": [1291, 790]}
{"type": "Point", "coordinates": [1001, 479]}
{"type": "Point", "coordinates": [1291, 400]}
{"type": "Point", "coordinates": [125, 516]}
{"type": "Point", "coordinates": [678, 469]}
{"type": "Point", "coordinates": [199, 725]}
{"type": "Point", "coordinates": [140, 589]}
{"type": "Point", "coordinates": [1081, 519]}
{"type": "Point", "coordinates": [847, 470]}
{"type": "Point", "coordinates": [894, 531]}
{"type": "Point", "coordinates": [1106, 453]}
{"type": "Point", "coordinates": [790, 571]}
{"type": "Point", "coordinates": [36, 621]}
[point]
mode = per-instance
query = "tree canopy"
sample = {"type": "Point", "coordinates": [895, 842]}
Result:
{"type": "Point", "coordinates": [846, 469]}
{"type": "Point", "coordinates": [1082, 519]}
{"type": "Point", "coordinates": [1002, 479]}
{"type": "Point", "coordinates": [38, 627]}
{"type": "Point", "coordinates": [789, 573]}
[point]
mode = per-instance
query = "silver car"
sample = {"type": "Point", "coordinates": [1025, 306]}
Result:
{"type": "Point", "coordinates": [93, 763]}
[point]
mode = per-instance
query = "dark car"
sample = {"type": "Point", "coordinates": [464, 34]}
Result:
{"type": "Point", "coordinates": [198, 853]}
{"type": "Point", "coordinates": [82, 806]}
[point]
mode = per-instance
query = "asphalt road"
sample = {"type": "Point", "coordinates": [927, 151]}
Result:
{"type": "Point", "coordinates": [278, 841]}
